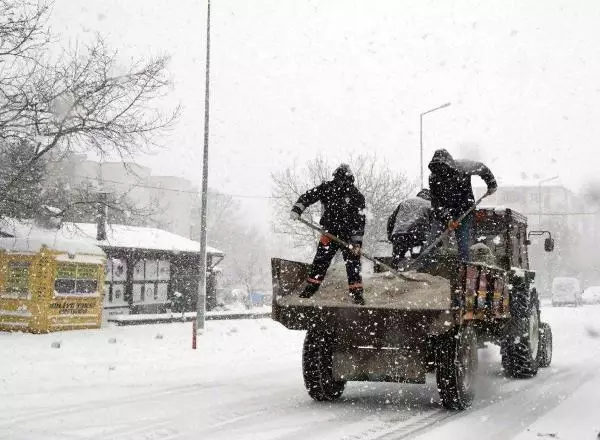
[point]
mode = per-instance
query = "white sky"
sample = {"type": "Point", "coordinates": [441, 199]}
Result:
{"type": "Point", "coordinates": [295, 78]}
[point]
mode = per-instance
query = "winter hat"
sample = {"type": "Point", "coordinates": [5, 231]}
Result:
{"type": "Point", "coordinates": [441, 158]}
{"type": "Point", "coordinates": [424, 194]}
{"type": "Point", "coordinates": [343, 172]}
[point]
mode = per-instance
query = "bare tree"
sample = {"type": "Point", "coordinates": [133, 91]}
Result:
{"type": "Point", "coordinates": [46, 184]}
{"type": "Point", "coordinates": [224, 224]}
{"type": "Point", "coordinates": [81, 100]}
{"type": "Point", "coordinates": [26, 197]}
{"type": "Point", "coordinates": [80, 204]}
{"type": "Point", "coordinates": [383, 190]}
{"type": "Point", "coordinates": [249, 267]}
{"type": "Point", "coordinates": [246, 262]}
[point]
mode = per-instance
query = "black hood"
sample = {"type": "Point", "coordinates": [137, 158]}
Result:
{"type": "Point", "coordinates": [343, 175]}
{"type": "Point", "coordinates": [441, 157]}
{"type": "Point", "coordinates": [424, 194]}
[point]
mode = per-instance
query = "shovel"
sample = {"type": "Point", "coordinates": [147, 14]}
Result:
{"type": "Point", "coordinates": [362, 253]}
{"type": "Point", "coordinates": [444, 234]}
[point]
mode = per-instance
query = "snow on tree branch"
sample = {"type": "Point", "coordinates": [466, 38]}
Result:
{"type": "Point", "coordinates": [82, 100]}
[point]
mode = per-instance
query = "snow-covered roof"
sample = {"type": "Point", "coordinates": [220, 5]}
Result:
{"type": "Point", "coordinates": [497, 208]}
{"type": "Point", "coordinates": [117, 236]}
{"type": "Point", "coordinates": [78, 251]}
{"type": "Point", "coordinates": [34, 243]}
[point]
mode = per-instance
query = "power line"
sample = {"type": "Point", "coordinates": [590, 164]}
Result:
{"type": "Point", "coordinates": [137, 185]}
{"type": "Point", "coordinates": [565, 214]}
{"type": "Point", "coordinates": [243, 196]}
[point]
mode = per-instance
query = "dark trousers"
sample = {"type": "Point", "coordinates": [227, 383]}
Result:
{"type": "Point", "coordinates": [402, 243]}
{"type": "Point", "coordinates": [326, 250]}
{"type": "Point", "coordinates": [463, 235]}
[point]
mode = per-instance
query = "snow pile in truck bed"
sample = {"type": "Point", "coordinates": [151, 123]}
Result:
{"type": "Point", "coordinates": [380, 290]}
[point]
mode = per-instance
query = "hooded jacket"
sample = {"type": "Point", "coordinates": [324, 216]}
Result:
{"type": "Point", "coordinates": [343, 207]}
{"type": "Point", "coordinates": [450, 184]}
{"type": "Point", "coordinates": [411, 216]}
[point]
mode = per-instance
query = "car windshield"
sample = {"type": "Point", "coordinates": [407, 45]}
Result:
{"type": "Point", "coordinates": [564, 285]}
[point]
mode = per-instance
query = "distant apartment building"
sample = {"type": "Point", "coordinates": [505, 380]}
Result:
{"type": "Point", "coordinates": [546, 206]}
{"type": "Point", "coordinates": [573, 222]}
{"type": "Point", "coordinates": [170, 198]}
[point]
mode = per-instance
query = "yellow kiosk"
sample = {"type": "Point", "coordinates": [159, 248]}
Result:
{"type": "Point", "coordinates": [48, 284]}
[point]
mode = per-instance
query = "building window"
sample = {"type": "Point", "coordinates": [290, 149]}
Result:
{"type": "Point", "coordinates": [164, 270]}
{"type": "Point", "coordinates": [534, 197]}
{"type": "Point", "coordinates": [76, 279]}
{"type": "Point", "coordinates": [511, 196]}
{"type": "Point", "coordinates": [17, 280]}
{"type": "Point", "coordinates": [138, 270]}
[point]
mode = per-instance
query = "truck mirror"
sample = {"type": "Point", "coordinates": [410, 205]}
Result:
{"type": "Point", "coordinates": [527, 242]}
{"type": "Point", "coordinates": [549, 244]}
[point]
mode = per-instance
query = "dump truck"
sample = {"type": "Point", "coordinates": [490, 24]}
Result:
{"type": "Point", "coordinates": [434, 322]}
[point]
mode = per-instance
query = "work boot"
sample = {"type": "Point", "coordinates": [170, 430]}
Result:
{"type": "Point", "coordinates": [357, 296]}
{"type": "Point", "coordinates": [309, 290]}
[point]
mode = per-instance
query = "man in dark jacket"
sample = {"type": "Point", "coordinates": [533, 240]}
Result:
{"type": "Point", "coordinates": [344, 217]}
{"type": "Point", "coordinates": [409, 225]}
{"type": "Point", "coordinates": [452, 195]}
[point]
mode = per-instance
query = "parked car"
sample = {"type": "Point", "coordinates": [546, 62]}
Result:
{"type": "Point", "coordinates": [259, 299]}
{"type": "Point", "coordinates": [591, 295]}
{"type": "Point", "coordinates": [566, 291]}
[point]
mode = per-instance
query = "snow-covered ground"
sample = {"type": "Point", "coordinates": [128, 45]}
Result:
{"type": "Point", "coordinates": [245, 382]}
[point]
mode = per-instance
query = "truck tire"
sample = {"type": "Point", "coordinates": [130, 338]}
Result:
{"type": "Point", "coordinates": [521, 346]}
{"type": "Point", "coordinates": [456, 361]}
{"type": "Point", "coordinates": [545, 350]}
{"type": "Point", "coordinates": [317, 367]}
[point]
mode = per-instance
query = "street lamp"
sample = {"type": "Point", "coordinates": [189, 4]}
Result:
{"type": "Point", "coordinates": [421, 132]}
{"type": "Point", "coordinates": [540, 196]}
{"type": "Point", "coordinates": [546, 259]}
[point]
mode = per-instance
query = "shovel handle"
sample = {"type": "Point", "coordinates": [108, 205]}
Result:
{"type": "Point", "coordinates": [444, 234]}
{"type": "Point", "coordinates": [362, 253]}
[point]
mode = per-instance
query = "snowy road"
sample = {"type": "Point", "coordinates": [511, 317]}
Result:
{"type": "Point", "coordinates": [245, 382]}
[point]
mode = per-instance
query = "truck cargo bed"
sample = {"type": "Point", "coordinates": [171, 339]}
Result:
{"type": "Point", "coordinates": [380, 291]}
{"type": "Point", "coordinates": [409, 308]}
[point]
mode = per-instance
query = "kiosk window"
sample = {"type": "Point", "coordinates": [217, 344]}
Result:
{"type": "Point", "coordinates": [17, 279]}
{"type": "Point", "coordinates": [76, 279]}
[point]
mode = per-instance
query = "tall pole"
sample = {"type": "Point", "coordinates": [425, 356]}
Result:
{"type": "Point", "coordinates": [421, 136]}
{"type": "Point", "coordinates": [546, 256]}
{"type": "Point", "coordinates": [201, 303]}
{"type": "Point", "coordinates": [421, 143]}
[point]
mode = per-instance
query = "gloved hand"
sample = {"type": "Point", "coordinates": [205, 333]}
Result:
{"type": "Point", "coordinates": [294, 215]}
{"type": "Point", "coordinates": [491, 190]}
{"type": "Point", "coordinates": [453, 224]}
{"type": "Point", "coordinates": [355, 248]}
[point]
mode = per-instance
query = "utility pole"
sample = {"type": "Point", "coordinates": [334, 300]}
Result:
{"type": "Point", "coordinates": [201, 303]}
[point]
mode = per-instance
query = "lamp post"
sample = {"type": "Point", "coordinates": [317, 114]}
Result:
{"type": "Point", "coordinates": [421, 135]}
{"type": "Point", "coordinates": [540, 197]}
{"type": "Point", "coordinates": [547, 261]}
{"type": "Point", "coordinates": [201, 302]}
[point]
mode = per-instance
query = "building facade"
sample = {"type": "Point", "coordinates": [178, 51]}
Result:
{"type": "Point", "coordinates": [170, 199]}
{"type": "Point", "coordinates": [572, 222]}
